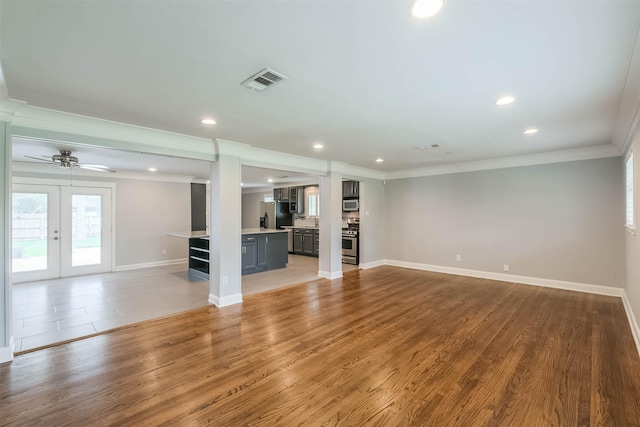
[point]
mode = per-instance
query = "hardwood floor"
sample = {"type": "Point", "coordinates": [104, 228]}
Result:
{"type": "Point", "coordinates": [386, 346]}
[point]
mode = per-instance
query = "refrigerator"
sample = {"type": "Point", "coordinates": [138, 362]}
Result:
{"type": "Point", "coordinates": [277, 215]}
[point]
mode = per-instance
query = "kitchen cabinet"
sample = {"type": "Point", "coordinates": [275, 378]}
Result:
{"type": "Point", "coordinates": [296, 200]}
{"type": "Point", "coordinates": [249, 254]}
{"type": "Point", "coordinates": [350, 189]}
{"type": "Point", "coordinates": [305, 241]}
{"type": "Point", "coordinates": [264, 251]}
{"type": "Point", "coordinates": [277, 194]}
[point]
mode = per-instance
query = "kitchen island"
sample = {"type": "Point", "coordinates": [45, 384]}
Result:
{"type": "Point", "coordinates": [262, 250]}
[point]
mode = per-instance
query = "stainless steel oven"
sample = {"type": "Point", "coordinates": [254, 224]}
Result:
{"type": "Point", "coordinates": [350, 247]}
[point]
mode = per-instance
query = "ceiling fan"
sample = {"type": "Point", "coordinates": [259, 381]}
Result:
{"type": "Point", "coordinates": [66, 160]}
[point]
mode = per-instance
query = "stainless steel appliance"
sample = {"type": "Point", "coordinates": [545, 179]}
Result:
{"type": "Point", "coordinates": [350, 205]}
{"type": "Point", "coordinates": [349, 246]}
{"type": "Point", "coordinates": [274, 215]}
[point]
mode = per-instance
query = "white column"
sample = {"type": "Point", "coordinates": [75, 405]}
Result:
{"type": "Point", "coordinates": [6, 338]}
{"type": "Point", "coordinates": [330, 265]}
{"type": "Point", "coordinates": [225, 270]}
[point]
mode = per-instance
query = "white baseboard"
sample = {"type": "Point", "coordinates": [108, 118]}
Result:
{"type": "Point", "coordinates": [225, 301]}
{"type": "Point", "coordinates": [372, 264]}
{"type": "Point", "coordinates": [6, 353]}
{"type": "Point", "coordinates": [330, 275]}
{"type": "Point", "coordinates": [513, 278]}
{"type": "Point", "coordinates": [635, 329]}
{"type": "Point", "coordinates": [150, 264]}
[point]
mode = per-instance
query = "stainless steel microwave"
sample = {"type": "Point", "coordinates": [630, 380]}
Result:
{"type": "Point", "coordinates": [350, 205]}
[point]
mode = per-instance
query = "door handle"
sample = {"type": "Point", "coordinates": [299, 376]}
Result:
{"type": "Point", "coordinates": [267, 240]}
{"type": "Point", "coordinates": [56, 238]}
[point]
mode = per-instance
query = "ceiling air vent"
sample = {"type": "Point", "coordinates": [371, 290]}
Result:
{"type": "Point", "coordinates": [428, 147]}
{"type": "Point", "coordinates": [263, 80]}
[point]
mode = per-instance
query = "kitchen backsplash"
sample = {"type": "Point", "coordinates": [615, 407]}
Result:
{"type": "Point", "coordinates": [301, 221]}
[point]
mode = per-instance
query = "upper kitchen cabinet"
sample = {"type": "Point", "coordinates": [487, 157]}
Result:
{"type": "Point", "coordinates": [350, 189]}
{"type": "Point", "coordinates": [292, 195]}
{"type": "Point", "coordinates": [296, 200]}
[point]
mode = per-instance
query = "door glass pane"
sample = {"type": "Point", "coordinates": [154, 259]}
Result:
{"type": "Point", "coordinates": [86, 224]}
{"type": "Point", "coordinates": [29, 232]}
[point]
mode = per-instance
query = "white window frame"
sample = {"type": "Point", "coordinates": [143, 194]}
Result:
{"type": "Point", "coordinates": [630, 223]}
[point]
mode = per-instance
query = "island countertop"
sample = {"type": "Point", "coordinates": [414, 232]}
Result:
{"type": "Point", "coordinates": [262, 231]}
{"type": "Point", "coordinates": [189, 234]}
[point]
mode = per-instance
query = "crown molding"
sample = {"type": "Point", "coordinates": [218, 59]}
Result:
{"type": "Point", "coordinates": [585, 153]}
{"type": "Point", "coordinates": [360, 172]}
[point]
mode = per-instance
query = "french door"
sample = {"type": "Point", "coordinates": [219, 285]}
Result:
{"type": "Point", "coordinates": [60, 231]}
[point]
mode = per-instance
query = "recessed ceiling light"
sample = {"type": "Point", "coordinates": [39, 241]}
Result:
{"type": "Point", "coordinates": [530, 131]}
{"type": "Point", "coordinates": [425, 8]}
{"type": "Point", "coordinates": [505, 100]}
{"type": "Point", "coordinates": [318, 146]}
{"type": "Point", "coordinates": [270, 180]}
{"type": "Point", "coordinates": [379, 160]}
{"type": "Point", "coordinates": [152, 169]}
{"type": "Point", "coordinates": [208, 121]}
{"type": "Point", "coordinates": [241, 184]}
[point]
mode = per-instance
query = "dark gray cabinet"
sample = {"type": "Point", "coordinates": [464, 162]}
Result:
{"type": "Point", "coordinates": [249, 254]}
{"type": "Point", "coordinates": [262, 252]}
{"type": "Point", "coordinates": [305, 241]}
{"type": "Point", "coordinates": [350, 189]}
{"type": "Point", "coordinates": [292, 195]}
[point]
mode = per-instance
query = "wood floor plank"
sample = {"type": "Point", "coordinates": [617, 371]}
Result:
{"type": "Point", "coordinates": [385, 346]}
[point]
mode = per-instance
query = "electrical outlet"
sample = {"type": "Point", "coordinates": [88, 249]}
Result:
{"type": "Point", "coordinates": [225, 280]}
{"type": "Point", "coordinates": [164, 252]}
{"type": "Point", "coordinates": [458, 257]}
{"type": "Point", "coordinates": [506, 267]}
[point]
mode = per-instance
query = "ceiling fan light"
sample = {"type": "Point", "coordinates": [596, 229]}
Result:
{"type": "Point", "coordinates": [425, 8]}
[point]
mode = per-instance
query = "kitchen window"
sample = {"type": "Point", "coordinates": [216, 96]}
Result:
{"type": "Point", "coordinates": [314, 205]}
{"type": "Point", "coordinates": [630, 223]}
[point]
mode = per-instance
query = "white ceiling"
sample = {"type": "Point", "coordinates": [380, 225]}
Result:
{"type": "Point", "coordinates": [365, 78]}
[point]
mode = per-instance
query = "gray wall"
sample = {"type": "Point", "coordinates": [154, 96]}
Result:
{"type": "Point", "coordinates": [558, 221]}
{"type": "Point", "coordinates": [145, 211]}
{"type": "Point", "coordinates": [251, 208]}
{"type": "Point", "coordinates": [632, 242]}
{"type": "Point", "coordinates": [372, 221]}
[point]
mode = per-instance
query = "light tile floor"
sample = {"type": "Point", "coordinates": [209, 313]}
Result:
{"type": "Point", "coordinates": [51, 311]}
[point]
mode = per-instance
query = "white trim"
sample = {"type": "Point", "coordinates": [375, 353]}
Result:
{"type": "Point", "coordinates": [372, 264]}
{"type": "Point", "coordinates": [512, 278]}
{"type": "Point", "coordinates": [39, 169]}
{"type": "Point", "coordinates": [633, 323]}
{"type": "Point", "coordinates": [6, 353]}
{"type": "Point", "coordinates": [150, 264]}
{"type": "Point", "coordinates": [37, 122]}
{"type": "Point", "coordinates": [225, 301]}
{"type": "Point", "coordinates": [357, 172]}
{"type": "Point", "coordinates": [585, 153]}
{"type": "Point", "coordinates": [330, 275]}
{"type": "Point", "coordinates": [62, 182]}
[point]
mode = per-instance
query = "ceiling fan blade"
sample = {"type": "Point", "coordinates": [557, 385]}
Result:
{"type": "Point", "coordinates": [47, 159]}
{"type": "Point", "coordinates": [99, 168]}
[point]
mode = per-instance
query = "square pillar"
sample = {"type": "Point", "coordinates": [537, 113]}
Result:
{"type": "Point", "coordinates": [330, 263]}
{"type": "Point", "coordinates": [225, 226]}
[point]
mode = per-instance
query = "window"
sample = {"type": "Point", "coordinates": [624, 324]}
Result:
{"type": "Point", "coordinates": [629, 181]}
{"type": "Point", "coordinates": [314, 205]}
{"type": "Point", "coordinates": [268, 198]}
